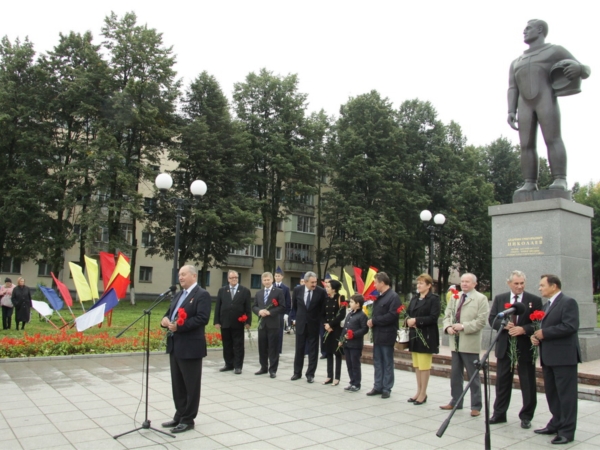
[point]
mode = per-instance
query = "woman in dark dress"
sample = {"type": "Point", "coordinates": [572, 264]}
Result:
{"type": "Point", "coordinates": [21, 298]}
{"type": "Point", "coordinates": [334, 312]}
{"type": "Point", "coordinates": [423, 313]}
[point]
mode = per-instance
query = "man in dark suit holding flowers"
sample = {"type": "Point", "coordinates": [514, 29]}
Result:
{"type": "Point", "coordinates": [232, 313]}
{"type": "Point", "coordinates": [186, 318]}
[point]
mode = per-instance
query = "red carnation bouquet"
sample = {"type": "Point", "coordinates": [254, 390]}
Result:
{"type": "Point", "coordinates": [273, 304]}
{"type": "Point", "coordinates": [536, 317]}
{"type": "Point", "coordinates": [403, 315]}
{"type": "Point", "coordinates": [243, 318]}
{"type": "Point", "coordinates": [455, 295]}
{"type": "Point", "coordinates": [181, 316]}
{"type": "Point", "coordinates": [349, 335]}
{"type": "Point", "coordinates": [513, 351]}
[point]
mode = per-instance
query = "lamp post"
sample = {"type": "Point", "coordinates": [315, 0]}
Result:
{"type": "Point", "coordinates": [438, 221]}
{"type": "Point", "coordinates": [198, 188]}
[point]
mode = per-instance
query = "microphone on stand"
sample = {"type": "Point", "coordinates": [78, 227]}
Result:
{"type": "Point", "coordinates": [516, 308]}
{"type": "Point", "coordinates": [172, 290]}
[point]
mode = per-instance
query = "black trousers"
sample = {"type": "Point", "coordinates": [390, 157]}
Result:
{"type": "Point", "coordinates": [504, 380]}
{"type": "Point", "coordinates": [338, 364]}
{"type": "Point", "coordinates": [353, 356]}
{"type": "Point", "coordinates": [6, 317]}
{"type": "Point", "coordinates": [186, 376]}
{"type": "Point", "coordinates": [560, 383]}
{"type": "Point", "coordinates": [312, 341]}
{"type": "Point", "coordinates": [233, 347]}
{"type": "Point", "coordinates": [268, 349]}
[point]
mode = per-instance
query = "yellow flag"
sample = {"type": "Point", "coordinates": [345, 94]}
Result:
{"type": "Point", "coordinates": [342, 290]}
{"type": "Point", "coordinates": [122, 268]}
{"type": "Point", "coordinates": [349, 283]}
{"type": "Point", "coordinates": [92, 272]}
{"type": "Point", "coordinates": [369, 281]}
{"type": "Point", "coordinates": [81, 284]}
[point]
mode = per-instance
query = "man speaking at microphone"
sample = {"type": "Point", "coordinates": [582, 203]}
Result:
{"type": "Point", "coordinates": [517, 330]}
{"type": "Point", "coordinates": [186, 318]}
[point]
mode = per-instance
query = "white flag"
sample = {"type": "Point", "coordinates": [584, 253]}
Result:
{"type": "Point", "coordinates": [42, 308]}
{"type": "Point", "coordinates": [90, 318]}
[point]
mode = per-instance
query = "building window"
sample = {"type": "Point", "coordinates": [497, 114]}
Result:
{"type": "Point", "coordinates": [257, 251]}
{"type": "Point", "coordinates": [148, 205]}
{"type": "Point", "coordinates": [278, 253]}
{"type": "Point", "coordinates": [241, 252]}
{"type": "Point", "coordinates": [127, 233]}
{"type": "Point", "coordinates": [102, 234]}
{"type": "Point", "coordinates": [306, 199]}
{"type": "Point", "coordinates": [145, 274]}
{"type": "Point", "coordinates": [306, 224]}
{"type": "Point", "coordinates": [207, 278]}
{"type": "Point", "coordinates": [298, 252]}
{"type": "Point", "coordinates": [43, 269]}
{"type": "Point", "coordinates": [102, 196]}
{"type": "Point", "coordinates": [147, 239]}
{"type": "Point", "coordinates": [11, 265]}
{"type": "Point", "coordinates": [255, 281]}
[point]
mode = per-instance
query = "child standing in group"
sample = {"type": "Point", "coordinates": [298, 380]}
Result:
{"type": "Point", "coordinates": [354, 331]}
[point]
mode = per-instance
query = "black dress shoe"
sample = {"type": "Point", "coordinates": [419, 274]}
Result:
{"type": "Point", "coordinates": [225, 369]}
{"type": "Point", "coordinates": [272, 375]}
{"type": "Point", "coordinates": [183, 427]}
{"type": "Point", "coordinates": [559, 440]}
{"type": "Point", "coordinates": [354, 389]}
{"type": "Point", "coordinates": [526, 424]}
{"type": "Point", "coordinates": [237, 371]}
{"type": "Point", "coordinates": [545, 430]}
{"type": "Point", "coordinates": [261, 372]}
{"type": "Point", "coordinates": [417, 403]}
{"type": "Point", "coordinates": [411, 400]}
{"type": "Point", "coordinates": [310, 379]}
{"type": "Point", "coordinates": [170, 424]}
{"type": "Point", "coordinates": [385, 395]}
{"type": "Point", "coordinates": [497, 419]}
{"type": "Point", "coordinates": [323, 357]}
{"type": "Point", "coordinates": [374, 392]}
{"type": "Point", "coordinates": [295, 377]}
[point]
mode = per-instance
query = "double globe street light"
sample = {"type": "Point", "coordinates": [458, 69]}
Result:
{"type": "Point", "coordinates": [198, 188]}
{"type": "Point", "coordinates": [438, 221]}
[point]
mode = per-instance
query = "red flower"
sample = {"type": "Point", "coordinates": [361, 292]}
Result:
{"type": "Point", "coordinates": [181, 316]}
{"type": "Point", "coordinates": [275, 302]}
{"type": "Point", "coordinates": [454, 294]}
{"type": "Point", "coordinates": [344, 304]}
{"type": "Point", "coordinates": [400, 309]}
{"type": "Point", "coordinates": [350, 334]}
{"type": "Point", "coordinates": [243, 318]}
{"type": "Point", "coordinates": [537, 315]}
{"type": "Point", "coordinates": [507, 306]}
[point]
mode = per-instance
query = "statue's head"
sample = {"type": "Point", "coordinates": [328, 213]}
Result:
{"type": "Point", "coordinates": [535, 30]}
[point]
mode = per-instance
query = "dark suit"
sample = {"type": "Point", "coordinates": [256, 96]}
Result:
{"type": "Point", "coordinates": [526, 366]}
{"type": "Point", "coordinates": [268, 328]}
{"type": "Point", "coordinates": [560, 354]}
{"type": "Point", "coordinates": [307, 328]}
{"type": "Point", "coordinates": [187, 347]}
{"type": "Point", "coordinates": [227, 312]}
{"type": "Point", "coordinates": [288, 308]}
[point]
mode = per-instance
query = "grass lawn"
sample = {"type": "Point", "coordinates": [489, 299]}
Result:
{"type": "Point", "coordinates": [124, 314]}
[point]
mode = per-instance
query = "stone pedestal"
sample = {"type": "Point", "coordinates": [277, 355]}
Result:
{"type": "Point", "coordinates": [550, 236]}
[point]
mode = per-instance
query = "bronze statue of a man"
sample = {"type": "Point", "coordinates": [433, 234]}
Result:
{"type": "Point", "coordinates": [536, 78]}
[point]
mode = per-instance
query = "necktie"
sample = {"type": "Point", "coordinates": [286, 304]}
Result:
{"type": "Point", "coordinates": [514, 316]}
{"type": "Point", "coordinates": [181, 299]}
{"type": "Point", "coordinates": [232, 292]}
{"type": "Point", "coordinates": [308, 299]}
{"type": "Point", "coordinates": [266, 296]}
{"type": "Point", "coordinates": [547, 307]}
{"type": "Point", "coordinates": [459, 309]}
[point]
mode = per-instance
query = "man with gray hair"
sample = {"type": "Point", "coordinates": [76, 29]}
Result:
{"type": "Point", "coordinates": [464, 320]}
{"type": "Point", "coordinates": [307, 305]}
{"type": "Point", "coordinates": [514, 347]}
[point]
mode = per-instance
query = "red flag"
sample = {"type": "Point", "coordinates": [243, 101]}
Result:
{"type": "Point", "coordinates": [64, 291]}
{"type": "Point", "coordinates": [107, 265]}
{"type": "Point", "coordinates": [123, 255]}
{"type": "Point", "coordinates": [120, 284]}
{"type": "Point", "coordinates": [360, 285]}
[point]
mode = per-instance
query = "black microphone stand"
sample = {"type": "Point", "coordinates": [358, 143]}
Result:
{"type": "Point", "coordinates": [481, 364]}
{"type": "Point", "coordinates": [147, 314]}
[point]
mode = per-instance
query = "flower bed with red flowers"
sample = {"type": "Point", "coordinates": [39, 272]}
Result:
{"type": "Point", "coordinates": [67, 343]}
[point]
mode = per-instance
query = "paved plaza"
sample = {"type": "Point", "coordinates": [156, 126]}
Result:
{"type": "Point", "coordinates": [81, 402]}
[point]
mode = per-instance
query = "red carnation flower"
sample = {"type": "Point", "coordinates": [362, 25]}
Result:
{"type": "Point", "coordinates": [181, 316]}
{"type": "Point", "coordinates": [243, 318]}
{"type": "Point", "coordinates": [400, 309]}
{"type": "Point", "coordinates": [507, 306]}
{"type": "Point", "coordinates": [344, 304]}
{"type": "Point", "coordinates": [350, 334]}
{"type": "Point", "coordinates": [275, 302]}
{"type": "Point", "coordinates": [537, 315]}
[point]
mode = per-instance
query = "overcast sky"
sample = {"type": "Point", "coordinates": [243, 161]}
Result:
{"type": "Point", "coordinates": [455, 54]}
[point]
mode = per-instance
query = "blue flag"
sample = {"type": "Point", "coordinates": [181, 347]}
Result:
{"type": "Point", "coordinates": [109, 298]}
{"type": "Point", "coordinates": [52, 297]}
